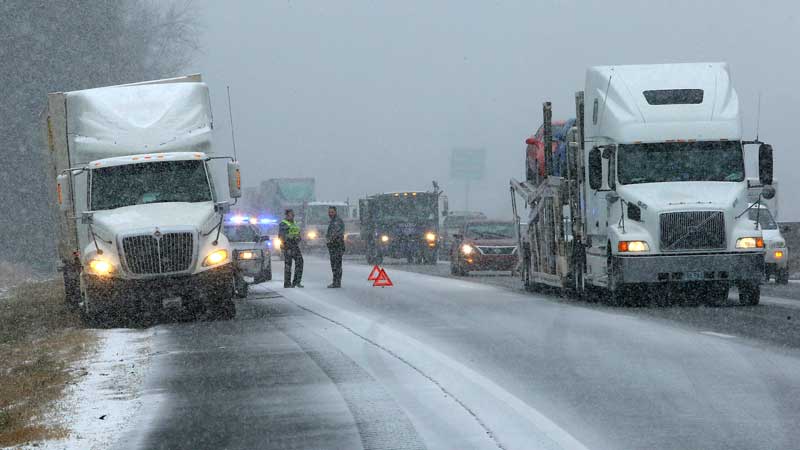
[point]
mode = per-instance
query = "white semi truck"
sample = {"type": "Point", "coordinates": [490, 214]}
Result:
{"type": "Point", "coordinates": [138, 214]}
{"type": "Point", "coordinates": [655, 196]}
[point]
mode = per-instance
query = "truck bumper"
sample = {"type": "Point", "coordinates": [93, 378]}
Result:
{"type": "Point", "coordinates": [213, 284]}
{"type": "Point", "coordinates": [689, 268]}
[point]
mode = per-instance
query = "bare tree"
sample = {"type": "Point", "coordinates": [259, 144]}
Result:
{"type": "Point", "coordinates": [62, 45]}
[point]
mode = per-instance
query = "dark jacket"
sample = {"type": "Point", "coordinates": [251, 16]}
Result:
{"type": "Point", "coordinates": [335, 234]}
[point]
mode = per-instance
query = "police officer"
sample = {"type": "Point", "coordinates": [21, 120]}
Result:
{"type": "Point", "coordinates": [335, 238]}
{"type": "Point", "coordinates": [289, 233]}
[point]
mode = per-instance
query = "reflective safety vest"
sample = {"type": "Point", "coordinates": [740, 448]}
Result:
{"type": "Point", "coordinates": [292, 229]}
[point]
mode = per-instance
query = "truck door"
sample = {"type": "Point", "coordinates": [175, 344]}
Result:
{"type": "Point", "coordinates": [597, 215]}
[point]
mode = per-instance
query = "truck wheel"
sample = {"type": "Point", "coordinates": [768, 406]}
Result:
{"type": "Point", "coordinates": [749, 293]}
{"type": "Point", "coordinates": [241, 287]}
{"type": "Point", "coordinates": [782, 276]}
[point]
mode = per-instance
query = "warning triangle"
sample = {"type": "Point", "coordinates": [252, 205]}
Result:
{"type": "Point", "coordinates": [382, 280]}
{"type": "Point", "coordinates": [374, 274]}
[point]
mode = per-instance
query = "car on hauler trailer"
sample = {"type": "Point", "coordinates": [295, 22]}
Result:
{"type": "Point", "coordinates": [655, 193]}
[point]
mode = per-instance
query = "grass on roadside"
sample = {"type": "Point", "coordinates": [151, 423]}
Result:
{"type": "Point", "coordinates": [40, 338]}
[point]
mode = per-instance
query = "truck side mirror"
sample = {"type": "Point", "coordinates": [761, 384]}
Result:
{"type": "Point", "coordinates": [234, 179]}
{"type": "Point", "coordinates": [64, 192]}
{"type": "Point", "coordinates": [445, 206]}
{"type": "Point", "coordinates": [595, 169]}
{"type": "Point", "coordinates": [765, 164]}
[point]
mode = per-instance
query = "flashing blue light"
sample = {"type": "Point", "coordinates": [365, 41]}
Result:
{"type": "Point", "coordinates": [267, 220]}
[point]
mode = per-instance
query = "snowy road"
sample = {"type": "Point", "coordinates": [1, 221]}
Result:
{"type": "Point", "coordinates": [441, 363]}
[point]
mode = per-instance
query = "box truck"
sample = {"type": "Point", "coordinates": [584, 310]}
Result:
{"type": "Point", "coordinates": [139, 217]}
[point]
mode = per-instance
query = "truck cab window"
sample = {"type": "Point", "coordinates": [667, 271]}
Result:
{"type": "Point", "coordinates": [680, 161]}
{"type": "Point", "coordinates": [153, 182]}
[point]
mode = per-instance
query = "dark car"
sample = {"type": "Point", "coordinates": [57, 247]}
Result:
{"type": "Point", "coordinates": [484, 245]}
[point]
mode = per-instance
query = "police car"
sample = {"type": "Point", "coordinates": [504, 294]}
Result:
{"type": "Point", "coordinates": [251, 252]}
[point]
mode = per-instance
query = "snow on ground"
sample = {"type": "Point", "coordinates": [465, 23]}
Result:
{"type": "Point", "coordinates": [107, 394]}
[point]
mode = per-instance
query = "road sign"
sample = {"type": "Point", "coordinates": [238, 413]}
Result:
{"type": "Point", "coordinates": [468, 164]}
{"type": "Point", "coordinates": [382, 280]}
{"type": "Point", "coordinates": [374, 274]}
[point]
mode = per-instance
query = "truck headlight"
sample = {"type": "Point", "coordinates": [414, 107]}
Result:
{"type": "Point", "coordinates": [467, 249]}
{"type": "Point", "coordinates": [215, 257]}
{"type": "Point", "coordinates": [750, 242]}
{"type": "Point", "coordinates": [430, 237]}
{"type": "Point", "coordinates": [246, 254]}
{"type": "Point", "coordinates": [100, 267]}
{"type": "Point", "coordinates": [312, 234]}
{"type": "Point", "coordinates": [384, 238]}
{"type": "Point", "coordinates": [633, 247]}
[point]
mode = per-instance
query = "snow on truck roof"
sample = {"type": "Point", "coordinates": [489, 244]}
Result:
{"type": "Point", "coordinates": [147, 157]}
{"type": "Point", "coordinates": [660, 102]}
{"type": "Point", "coordinates": [160, 116]}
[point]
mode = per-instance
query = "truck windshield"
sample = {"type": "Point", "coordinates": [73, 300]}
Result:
{"type": "Point", "coordinates": [405, 208]}
{"type": "Point", "coordinates": [764, 218]}
{"type": "Point", "coordinates": [492, 230]}
{"type": "Point", "coordinates": [680, 161]}
{"type": "Point", "coordinates": [152, 182]}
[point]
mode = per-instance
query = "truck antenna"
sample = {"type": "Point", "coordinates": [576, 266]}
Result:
{"type": "Point", "coordinates": [230, 114]}
{"type": "Point", "coordinates": [758, 118]}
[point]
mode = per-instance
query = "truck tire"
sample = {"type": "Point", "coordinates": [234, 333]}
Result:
{"type": "Point", "coordinates": [782, 276]}
{"type": "Point", "coordinates": [749, 293]}
{"type": "Point", "coordinates": [241, 287]}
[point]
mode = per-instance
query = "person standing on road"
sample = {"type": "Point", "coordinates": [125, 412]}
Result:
{"type": "Point", "coordinates": [335, 238]}
{"type": "Point", "coordinates": [289, 233]}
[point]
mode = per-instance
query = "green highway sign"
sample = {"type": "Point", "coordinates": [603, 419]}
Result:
{"type": "Point", "coordinates": [468, 164]}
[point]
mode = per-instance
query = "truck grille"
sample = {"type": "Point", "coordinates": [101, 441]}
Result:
{"type": "Point", "coordinates": [496, 250]}
{"type": "Point", "coordinates": [146, 254]}
{"type": "Point", "coordinates": [695, 230]}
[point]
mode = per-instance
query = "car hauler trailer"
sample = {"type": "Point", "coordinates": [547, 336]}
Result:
{"type": "Point", "coordinates": [139, 220]}
{"type": "Point", "coordinates": [655, 193]}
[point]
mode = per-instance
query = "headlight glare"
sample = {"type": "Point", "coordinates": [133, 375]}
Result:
{"type": "Point", "coordinates": [215, 257]}
{"type": "Point", "coordinates": [384, 238]}
{"type": "Point", "coordinates": [467, 249]}
{"type": "Point", "coordinates": [750, 242]}
{"type": "Point", "coordinates": [100, 267]}
{"type": "Point", "coordinates": [430, 237]}
{"type": "Point", "coordinates": [633, 247]}
{"type": "Point", "coordinates": [246, 254]}
{"type": "Point", "coordinates": [312, 234]}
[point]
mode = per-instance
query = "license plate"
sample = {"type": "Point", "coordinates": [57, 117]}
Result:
{"type": "Point", "coordinates": [171, 302]}
{"type": "Point", "coordinates": [694, 276]}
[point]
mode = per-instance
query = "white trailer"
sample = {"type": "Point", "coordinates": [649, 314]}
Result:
{"type": "Point", "coordinates": [655, 195]}
{"type": "Point", "coordinates": [139, 218]}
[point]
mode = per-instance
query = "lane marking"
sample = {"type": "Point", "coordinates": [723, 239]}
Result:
{"type": "Point", "coordinates": [721, 335]}
{"type": "Point", "coordinates": [550, 430]}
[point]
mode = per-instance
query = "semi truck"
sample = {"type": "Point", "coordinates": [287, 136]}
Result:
{"type": "Point", "coordinates": [401, 225]}
{"type": "Point", "coordinates": [654, 195]}
{"type": "Point", "coordinates": [139, 217]}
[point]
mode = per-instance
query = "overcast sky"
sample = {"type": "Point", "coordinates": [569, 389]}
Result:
{"type": "Point", "coordinates": [371, 96]}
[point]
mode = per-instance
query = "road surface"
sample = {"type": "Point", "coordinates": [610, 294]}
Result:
{"type": "Point", "coordinates": [443, 363]}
